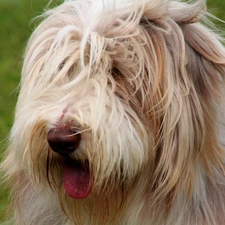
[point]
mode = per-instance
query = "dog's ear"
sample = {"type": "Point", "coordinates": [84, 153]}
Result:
{"type": "Point", "coordinates": [191, 90]}
{"type": "Point", "coordinates": [205, 70]}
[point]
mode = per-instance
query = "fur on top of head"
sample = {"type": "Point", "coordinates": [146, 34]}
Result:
{"type": "Point", "coordinates": [143, 82]}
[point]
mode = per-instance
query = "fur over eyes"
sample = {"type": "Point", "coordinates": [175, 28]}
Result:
{"type": "Point", "coordinates": [143, 83]}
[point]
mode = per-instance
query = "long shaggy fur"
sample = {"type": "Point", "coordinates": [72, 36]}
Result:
{"type": "Point", "coordinates": [143, 82]}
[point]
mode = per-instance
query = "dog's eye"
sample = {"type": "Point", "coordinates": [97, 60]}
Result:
{"type": "Point", "coordinates": [66, 68]}
{"type": "Point", "coordinates": [61, 65]}
{"type": "Point", "coordinates": [116, 73]}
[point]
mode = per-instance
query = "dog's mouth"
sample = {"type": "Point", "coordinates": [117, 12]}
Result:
{"type": "Point", "coordinates": [64, 140]}
{"type": "Point", "coordinates": [77, 179]}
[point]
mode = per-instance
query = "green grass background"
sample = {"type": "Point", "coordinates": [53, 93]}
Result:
{"type": "Point", "coordinates": [15, 28]}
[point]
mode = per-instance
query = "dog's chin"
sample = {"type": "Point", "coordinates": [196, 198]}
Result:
{"type": "Point", "coordinates": [77, 178]}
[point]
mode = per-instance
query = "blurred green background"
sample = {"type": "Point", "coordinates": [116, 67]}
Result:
{"type": "Point", "coordinates": [15, 28]}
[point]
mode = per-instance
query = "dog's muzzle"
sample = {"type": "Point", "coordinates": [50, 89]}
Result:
{"type": "Point", "coordinates": [64, 140]}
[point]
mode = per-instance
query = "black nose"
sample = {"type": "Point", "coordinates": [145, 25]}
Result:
{"type": "Point", "coordinates": [63, 139]}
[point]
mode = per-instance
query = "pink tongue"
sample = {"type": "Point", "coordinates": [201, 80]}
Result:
{"type": "Point", "coordinates": [77, 180]}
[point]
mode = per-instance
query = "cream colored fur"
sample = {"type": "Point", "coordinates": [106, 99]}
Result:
{"type": "Point", "coordinates": [143, 82]}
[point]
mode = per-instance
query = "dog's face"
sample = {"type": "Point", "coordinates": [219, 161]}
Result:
{"type": "Point", "coordinates": [109, 93]}
{"type": "Point", "coordinates": [89, 102]}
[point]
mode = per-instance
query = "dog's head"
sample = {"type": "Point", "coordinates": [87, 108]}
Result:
{"type": "Point", "coordinates": [113, 91]}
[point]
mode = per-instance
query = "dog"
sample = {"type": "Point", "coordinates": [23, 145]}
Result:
{"type": "Point", "coordinates": [119, 119]}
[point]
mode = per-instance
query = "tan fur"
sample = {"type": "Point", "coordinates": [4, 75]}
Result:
{"type": "Point", "coordinates": [143, 82]}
